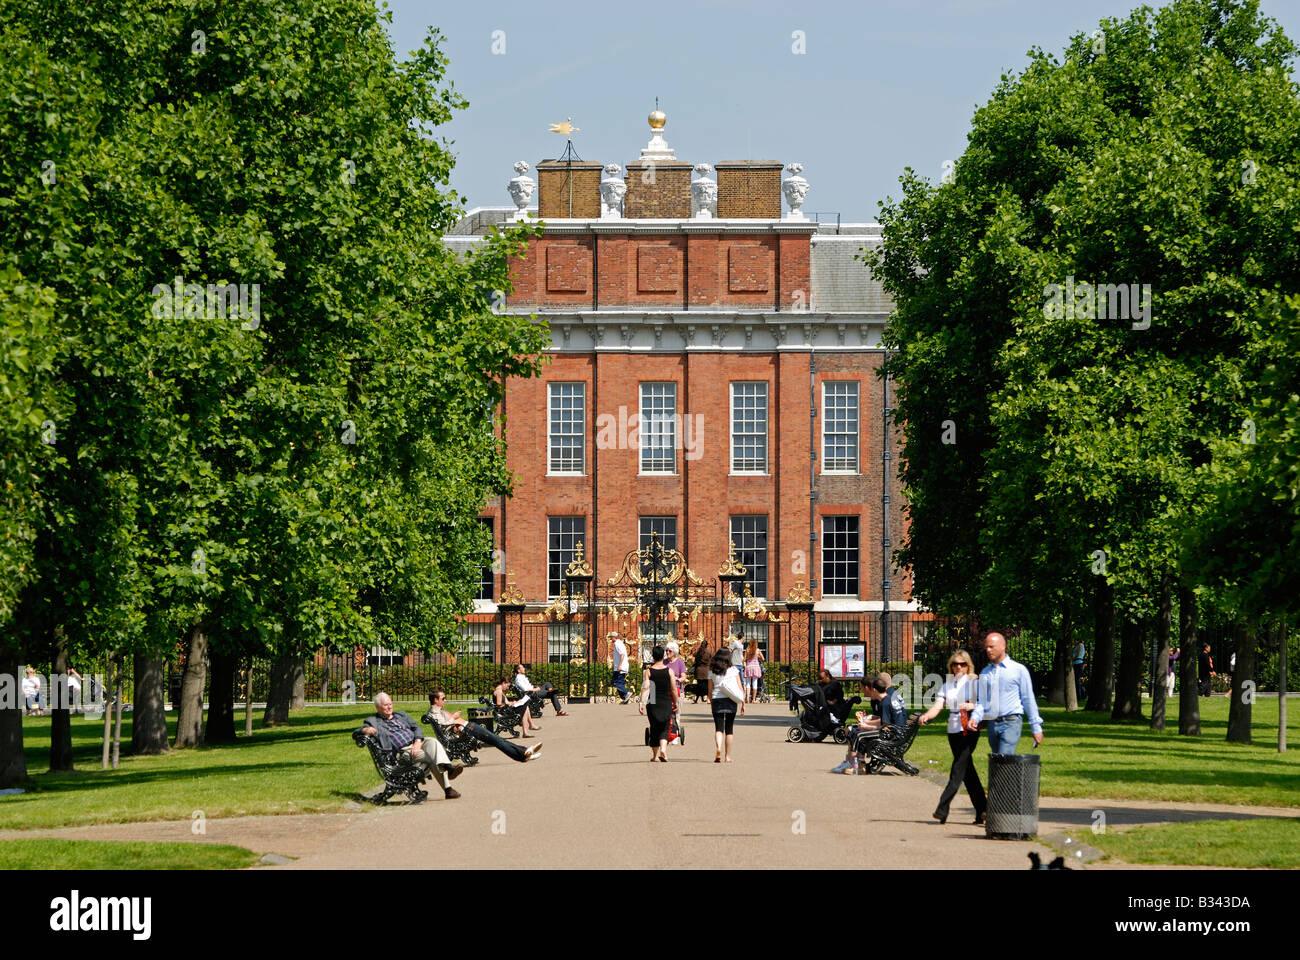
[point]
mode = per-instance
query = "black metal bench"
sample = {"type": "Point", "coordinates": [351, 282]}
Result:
{"type": "Point", "coordinates": [889, 748]}
{"type": "Point", "coordinates": [458, 746]}
{"type": "Point", "coordinates": [399, 775]}
{"type": "Point", "coordinates": [505, 719]}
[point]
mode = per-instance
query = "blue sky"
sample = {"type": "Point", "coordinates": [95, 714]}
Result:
{"type": "Point", "coordinates": [883, 84]}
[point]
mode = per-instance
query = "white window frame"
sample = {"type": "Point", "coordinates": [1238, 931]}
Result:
{"type": "Point", "coordinates": [735, 470]}
{"type": "Point", "coordinates": [825, 579]}
{"type": "Point", "coordinates": [857, 428]}
{"type": "Point", "coordinates": [643, 423]}
{"type": "Point", "coordinates": [551, 471]}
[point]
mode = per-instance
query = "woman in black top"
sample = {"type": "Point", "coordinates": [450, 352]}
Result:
{"type": "Point", "coordinates": [658, 701]}
{"type": "Point", "coordinates": [834, 695]}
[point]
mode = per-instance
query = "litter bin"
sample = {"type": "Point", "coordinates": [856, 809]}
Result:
{"type": "Point", "coordinates": [1013, 796]}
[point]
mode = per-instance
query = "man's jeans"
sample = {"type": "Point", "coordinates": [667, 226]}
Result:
{"type": "Point", "coordinates": [620, 684]}
{"type": "Point", "coordinates": [1004, 735]}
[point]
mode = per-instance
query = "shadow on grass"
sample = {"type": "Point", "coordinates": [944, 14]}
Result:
{"type": "Point", "coordinates": [1121, 816]}
{"type": "Point", "coordinates": [79, 781]}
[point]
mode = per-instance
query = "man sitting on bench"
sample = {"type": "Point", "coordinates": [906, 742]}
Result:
{"type": "Point", "coordinates": [453, 723]}
{"type": "Point", "coordinates": [893, 713]}
{"type": "Point", "coordinates": [397, 731]}
{"type": "Point", "coordinates": [544, 692]}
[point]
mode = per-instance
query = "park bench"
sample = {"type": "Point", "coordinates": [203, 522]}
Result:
{"type": "Point", "coordinates": [399, 775]}
{"type": "Point", "coordinates": [889, 748]}
{"type": "Point", "coordinates": [459, 747]}
{"type": "Point", "coordinates": [505, 719]}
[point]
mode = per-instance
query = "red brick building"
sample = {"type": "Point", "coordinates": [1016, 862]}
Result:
{"type": "Point", "coordinates": [712, 379]}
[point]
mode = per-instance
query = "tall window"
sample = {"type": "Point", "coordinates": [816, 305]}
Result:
{"type": "Point", "coordinates": [562, 534]}
{"type": "Point", "coordinates": [478, 640]}
{"type": "Point", "coordinates": [838, 631]}
{"type": "Point", "coordinates": [666, 527]}
{"type": "Point", "coordinates": [840, 556]}
{"type": "Point", "coordinates": [558, 647]}
{"type": "Point", "coordinates": [658, 428]}
{"type": "Point", "coordinates": [749, 534]}
{"type": "Point", "coordinates": [749, 428]}
{"type": "Point", "coordinates": [486, 581]}
{"type": "Point", "coordinates": [840, 426]}
{"type": "Point", "coordinates": [566, 428]}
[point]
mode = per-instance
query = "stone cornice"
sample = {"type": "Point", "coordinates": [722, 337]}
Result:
{"type": "Point", "coordinates": [656, 226]}
{"type": "Point", "coordinates": [669, 331]}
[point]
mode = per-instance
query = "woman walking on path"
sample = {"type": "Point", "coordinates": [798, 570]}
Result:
{"type": "Point", "coordinates": [658, 702]}
{"type": "Point", "coordinates": [703, 664]}
{"type": "Point", "coordinates": [959, 695]}
{"type": "Point", "coordinates": [753, 671]}
{"type": "Point", "coordinates": [725, 695]}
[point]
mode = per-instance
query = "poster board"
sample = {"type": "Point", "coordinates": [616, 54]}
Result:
{"type": "Point", "coordinates": [844, 661]}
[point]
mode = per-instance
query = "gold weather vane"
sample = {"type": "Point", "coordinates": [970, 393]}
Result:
{"type": "Point", "coordinates": [566, 127]}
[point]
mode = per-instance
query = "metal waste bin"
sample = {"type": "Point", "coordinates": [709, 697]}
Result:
{"type": "Point", "coordinates": [1013, 796]}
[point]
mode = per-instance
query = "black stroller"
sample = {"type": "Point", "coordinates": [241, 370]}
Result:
{"type": "Point", "coordinates": [816, 721]}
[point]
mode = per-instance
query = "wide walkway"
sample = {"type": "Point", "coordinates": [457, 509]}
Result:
{"type": "Point", "coordinates": [592, 799]}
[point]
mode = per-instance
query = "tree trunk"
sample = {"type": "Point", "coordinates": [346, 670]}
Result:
{"type": "Point", "coordinates": [189, 715]}
{"type": "Point", "coordinates": [299, 700]}
{"type": "Point", "coordinates": [279, 693]}
{"type": "Point", "coordinates": [149, 718]}
{"type": "Point", "coordinates": [1061, 687]}
{"type": "Point", "coordinates": [1101, 685]}
{"type": "Point", "coordinates": [1189, 703]}
{"type": "Point", "coordinates": [60, 708]}
{"type": "Point", "coordinates": [1128, 687]}
{"type": "Point", "coordinates": [1243, 696]}
{"type": "Point", "coordinates": [221, 698]}
{"type": "Point", "coordinates": [118, 698]}
{"type": "Point", "coordinates": [108, 711]}
{"type": "Point", "coordinates": [248, 700]}
{"type": "Point", "coordinates": [13, 764]}
{"type": "Point", "coordinates": [1164, 627]}
{"type": "Point", "coordinates": [1281, 687]}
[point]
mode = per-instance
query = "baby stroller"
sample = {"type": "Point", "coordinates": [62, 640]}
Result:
{"type": "Point", "coordinates": [816, 721]}
{"type": "Point", "coordinates": [676, 732]}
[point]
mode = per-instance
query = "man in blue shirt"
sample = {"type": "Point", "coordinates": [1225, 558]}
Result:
{"type": "Point", "coordinates": [1006, 697]}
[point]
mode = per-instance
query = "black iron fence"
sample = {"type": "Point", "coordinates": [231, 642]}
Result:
{"type": "Point", "coordinates": [576, 659]}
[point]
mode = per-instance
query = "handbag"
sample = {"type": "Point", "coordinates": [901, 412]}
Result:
{"type": "Point", "coordinates": [731, 687]}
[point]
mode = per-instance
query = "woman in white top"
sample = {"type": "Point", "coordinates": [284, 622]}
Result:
{"type": "Point", "coordinates": [724, 677]}
{"type": "Point", "coordinates": [959, 695]}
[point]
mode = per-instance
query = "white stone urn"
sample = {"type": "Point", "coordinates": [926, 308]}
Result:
{"type": "Point", "coordinates": [521, 190]}
{"type": "Point", "coordinates": [612, 191]}
{"type": "Point", "coordinates": [704, 193]}
{"type": "Point", "coordinates": [795, 189]}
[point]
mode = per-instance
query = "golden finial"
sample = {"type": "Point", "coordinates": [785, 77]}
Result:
{"type": "Point", "coordinates": [565, 127]}
{"type": "Point", "coordinates": [733, 567]}
{"type": "Point", "coordinates": [579, 567]}
{"type": "Point", "coordinates": [657, 117]}
{"type": "Point", "coordinates": [799, 593]}
{"type": "Point", "coordinates": [511, 595]}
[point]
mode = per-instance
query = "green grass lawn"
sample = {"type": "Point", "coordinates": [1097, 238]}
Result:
{"type": "Point", "coordinates": [1085, 755]}
{"type": "Point", "coordinates": [41, 853]}
{"type": "Point", "coordinates": [1272, 843]}
{"type": "Point", "coordinates": [311, 765]}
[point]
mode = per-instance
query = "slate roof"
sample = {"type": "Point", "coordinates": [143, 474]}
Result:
{"type": "Point", "coordinates": [841, 284]}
